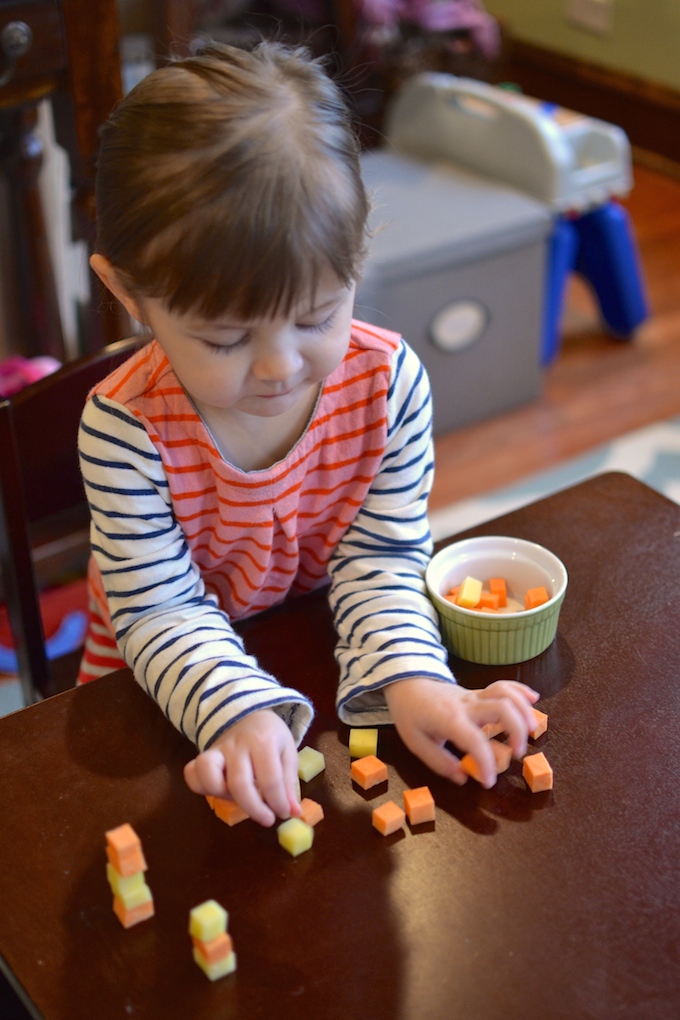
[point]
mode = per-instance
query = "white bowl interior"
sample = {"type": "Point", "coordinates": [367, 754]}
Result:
{"type": "Point", "coordinates": [523, 564]}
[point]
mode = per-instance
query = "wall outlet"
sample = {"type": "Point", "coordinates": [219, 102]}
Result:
{"type": "Point", "coordinates": [594, 15]}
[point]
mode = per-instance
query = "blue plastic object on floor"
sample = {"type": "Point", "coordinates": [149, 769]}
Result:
{"type": "Point", "coordinates": [562, 251]}
{"type": "Point", "coordinates": [600, 246]}
{"type": "Point", "coordinates": [608, 259]}
{"type": "Point", "coordinates": [69, 636]}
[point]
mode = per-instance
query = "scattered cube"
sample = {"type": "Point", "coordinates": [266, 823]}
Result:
{"type": "Point", "coordinates": [388, 818]}
{"type": "Point", "coordinates": [207, 921]}
{"type": "Point", "coordinates": [502, 753]}
{"type": "Point", "coordinates": [310, 763]}
{"type": "Point", "coordinates": [537, 772]}
{"type": "Point", "coordinates": [229, 811]}
{"type": "Point", "coordinates": [311, 811]}
{"type": "Point", "coordinates": [492, 729]}
{"type": "Point", "coordinates": [368, 771]}
{"type": "Point", "coordinates": [295, 836]}
{"type": "Point", "coordinates": [419, 804]}
{"type": "Point", "coordinates": [470, 766]}
{"type": "Point", "coordinates": [541, 724]}
{"type": "Point", "coordinates": [363, 742]}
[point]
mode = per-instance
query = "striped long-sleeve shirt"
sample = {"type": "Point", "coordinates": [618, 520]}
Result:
{"type": "Point", "coordinates": [183, 542]}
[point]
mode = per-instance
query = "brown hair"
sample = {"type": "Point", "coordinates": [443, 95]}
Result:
{"type": "Point", "coordinates": [229, 180]}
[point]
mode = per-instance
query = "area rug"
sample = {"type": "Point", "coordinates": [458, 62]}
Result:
{"type": "Point", "coordinates": [651, 454]}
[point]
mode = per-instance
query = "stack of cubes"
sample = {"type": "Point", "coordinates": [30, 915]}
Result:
{"type": "Point", "coordinates": [212, 946]}
{"type": "Point", "coordinates": [132, 899]}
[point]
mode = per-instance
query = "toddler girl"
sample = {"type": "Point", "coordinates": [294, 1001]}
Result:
{"type": "Point", "coordinates": [262, 442]}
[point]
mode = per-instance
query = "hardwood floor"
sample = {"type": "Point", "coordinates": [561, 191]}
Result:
{"type": "Point", "coordinates": [598, 388]}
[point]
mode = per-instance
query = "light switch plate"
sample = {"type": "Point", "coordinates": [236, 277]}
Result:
{"type": "Point", "coordinates": [594, 15]}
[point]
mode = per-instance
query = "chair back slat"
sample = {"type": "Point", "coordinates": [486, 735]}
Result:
{"type": "Point", "coordinates": [39, 479]}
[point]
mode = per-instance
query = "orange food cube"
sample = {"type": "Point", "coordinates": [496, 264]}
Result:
{"type": "Point", "coordinates": [311, 811]}
{"type": "Point", "coordinates": [492, 729]}
{"type": "Point", "coordinates": [453, 593]}
{"type": "Point", "coordinates": [229, 811]}
{"type": "Point", "coordinates": [124, 850]}
{"type": "Point", "coordinates": [498, 587]}
{"type": "Point", "coordinates": [388, 818]}
{"type": "Point", "coordinates": [537, 772]}
{"type": "Point", "coordinates": [488, 600]}
{"type": "Point", "coordinates": [419, 804]}
{"type": "Point", "coordinates": [132, 915]}
{"type": "Point", "coordinates": [502, 753]}
{"type": "Point", "coordinates": [368, 771]}
{"type": "Point", "coordinates": [541, 724]}
{"type": "Point", "coordinates": [535, 597]}
{"type": "Point", "coordinates": [469, 765]}
{"type": "Point", "coordinates": [216, 949]}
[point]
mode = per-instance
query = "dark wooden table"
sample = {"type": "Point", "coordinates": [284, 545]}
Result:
{"type": "Point", "coordinates": [558, 905]}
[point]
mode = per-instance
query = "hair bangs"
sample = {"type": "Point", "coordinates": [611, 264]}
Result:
{"type": "Point", "coordinates": [259, 257]}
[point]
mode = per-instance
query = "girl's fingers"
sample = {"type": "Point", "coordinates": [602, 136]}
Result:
{"type": "Point", "coordinates": [245, 792]}
{"type": "Point", "coordinates": [205, 774]}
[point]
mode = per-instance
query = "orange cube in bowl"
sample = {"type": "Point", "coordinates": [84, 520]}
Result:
{"type": "Point", "coordinates": [535, 597]}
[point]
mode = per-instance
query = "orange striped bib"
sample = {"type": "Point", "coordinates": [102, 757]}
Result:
{"type": "Point", "coordinates": [258, 536]}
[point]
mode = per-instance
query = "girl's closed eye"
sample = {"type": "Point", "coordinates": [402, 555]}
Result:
{"type": "Point", "coordinates": [318, 327]}
{"type": "Point", "coordinates": [223, 348]}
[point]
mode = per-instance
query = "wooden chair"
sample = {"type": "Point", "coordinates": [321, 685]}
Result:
{"type": "Point", "coordinates": [42, 496]}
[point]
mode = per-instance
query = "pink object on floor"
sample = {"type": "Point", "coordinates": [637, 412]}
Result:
{"type": "Point", "coordinates": [18, 372]}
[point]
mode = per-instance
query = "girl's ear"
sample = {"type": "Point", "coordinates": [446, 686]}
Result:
{"type": "Point", "coordinates": [108, 274]}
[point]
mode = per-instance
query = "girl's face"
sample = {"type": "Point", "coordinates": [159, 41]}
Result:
{"type": "Point", "coordinates": [264, 367]}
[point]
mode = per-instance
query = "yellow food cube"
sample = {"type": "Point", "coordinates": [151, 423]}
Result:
{"type": "Point", "coordinates": [310, 763]}
{"type": "Point", "coordinates": [363, 742]}
{"type": "Point", "coordinates": [215, 970]}
{"type": "Point", "coordinates": [207, 921]}
{"type": "Point", "coordinates": [295, 836]}
{"type": "Point", "coordinates": [122, 885]}
{"type": "Point", "coordinates": [469, 593]}
{"type": "Point", "coordinates": [135, 897]}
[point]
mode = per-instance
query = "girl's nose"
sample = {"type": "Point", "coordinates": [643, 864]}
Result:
{"type": "Point", "coordinates": [278, 361]}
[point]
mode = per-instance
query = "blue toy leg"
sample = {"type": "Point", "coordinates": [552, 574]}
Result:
{"type": "Point", "coordinates": [608, 259]}
{"type": "Point", "coordinates": [562, 253]}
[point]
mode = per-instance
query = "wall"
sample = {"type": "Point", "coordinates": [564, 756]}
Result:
{"type": "Point", "coordinates": [644, 42]}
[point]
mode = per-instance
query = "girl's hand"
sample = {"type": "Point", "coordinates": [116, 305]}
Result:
{"type": "Point", "coordinates": [428, 714]}
{"type": "Point", "coordinates": [254, 763]}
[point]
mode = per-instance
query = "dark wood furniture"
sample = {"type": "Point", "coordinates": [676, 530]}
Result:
{"type": "Point", "coordinates": [71, 59]}
{"type": "Point", "coordinates": [560, 905]}
{"type": "Point", "coordinates": [42, 497]}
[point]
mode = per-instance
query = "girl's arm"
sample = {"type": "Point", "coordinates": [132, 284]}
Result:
{"type": "Point", "coordinates": [393, 666]}
{"type": "Point", "coordinates": [387, 627]}
{"type": "Point", "coordinates": [172, 634]}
